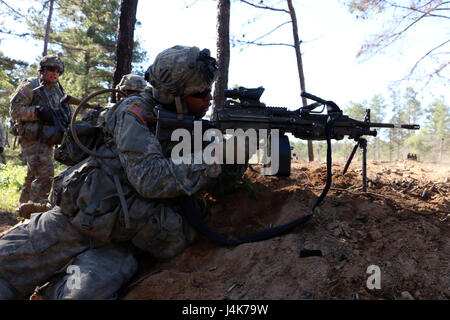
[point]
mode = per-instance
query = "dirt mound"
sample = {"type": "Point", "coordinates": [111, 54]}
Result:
{"type": "Point", "coordinates": [400, 225]}
{"type": "Point", "coordinates": [7, 220]}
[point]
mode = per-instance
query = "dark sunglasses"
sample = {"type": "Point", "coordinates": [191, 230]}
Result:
{"type": "Point", "coordinates": [201, 95]}
{"type": "Point", "coordinates": [52, 69]}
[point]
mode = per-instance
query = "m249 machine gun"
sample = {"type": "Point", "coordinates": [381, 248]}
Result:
{"type": "Point", "coordinates": [244, 110]}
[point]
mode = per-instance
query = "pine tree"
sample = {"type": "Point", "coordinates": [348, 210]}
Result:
{"type": "Point", "coordinates": [85, 32]}
{"type": "Point", "coordinates": [377, 114]}
{"type": "Point", "coordinates": [397, 137]}
{"type": "Point", "coordinates": [438, 126]}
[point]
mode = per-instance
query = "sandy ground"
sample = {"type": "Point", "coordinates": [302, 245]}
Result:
{"type": "Point", "coordinates": [401, 226]}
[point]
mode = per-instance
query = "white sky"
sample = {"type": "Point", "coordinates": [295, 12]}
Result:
{"type": "Point", "coordinates": [331, 36]}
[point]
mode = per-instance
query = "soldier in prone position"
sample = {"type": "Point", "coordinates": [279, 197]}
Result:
{"type": "Point", "coordinates": [39, 122]}
{"type": "Point", "coordinates": [106, 210]}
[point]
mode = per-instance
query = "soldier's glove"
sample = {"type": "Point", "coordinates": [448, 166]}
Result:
{"type": "Point", "coordinates": [1, 149]}
{"type": "Point", "coordinates": [44, 115]}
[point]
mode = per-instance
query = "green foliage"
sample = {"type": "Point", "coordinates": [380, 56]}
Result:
{"type": "Point", "coordinates": [438, 118]}
{"type": "Point", "coordinates": [85, 33]}
{"type": "Point", "coordinates": [412, 106]}
{"type": "Point", "coordinates": [12, 176]}
{"type": "Point", "coordinates": [356, 111]}
{"type": "Point", "coordinates": [430, 143]}
{"type": "Point", "coordinates": [11, 181]}
{"type": "Point", "coordinates": [420, 144]}
{"type": "Point", "coordinates": [11, 73]}
{"type": "Point", "coordinates": [300, 150]}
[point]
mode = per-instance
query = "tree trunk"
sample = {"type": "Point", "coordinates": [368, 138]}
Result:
{"type": "Point", "coordinates": [47, 27]}
{"type": "Point", "coordinates": [300, 66]}
{"type": "Point", "coordinates": [124, 44]}
{"type": "Point", "coordinates": [223, 52]}
{"type": "Point", "coordinates": [87, 69]}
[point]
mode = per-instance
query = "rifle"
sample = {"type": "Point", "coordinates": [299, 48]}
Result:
{"type": "Point", "coordinates": [75, 101]}
{"type": "Point", "coordinates": [60, 119]}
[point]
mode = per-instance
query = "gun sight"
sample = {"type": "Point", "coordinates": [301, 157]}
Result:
{"type": "Point", "coordinates": [242, 93]}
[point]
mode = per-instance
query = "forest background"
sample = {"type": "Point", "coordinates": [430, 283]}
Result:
{"type": "Point", "coordinates": [387, 56]}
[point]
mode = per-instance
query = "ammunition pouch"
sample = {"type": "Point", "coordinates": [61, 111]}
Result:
{"type": "Point", "coordinates": [16, 128]}
{"type": "Point", "coordinates": [34, 130]}
{"type": "Point", "coordinates": [28, 130]}
{"type": "Point", "coordinates": [51, 135]}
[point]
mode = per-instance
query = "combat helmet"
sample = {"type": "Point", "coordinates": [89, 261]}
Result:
{"type": "Point", "coordinates": [181, 71]}
{"type": "Point", "coordinates": [131, 83]}
{"type": "Point", "coordinates": [51, 61]}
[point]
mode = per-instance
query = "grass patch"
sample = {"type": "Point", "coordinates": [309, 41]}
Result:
{"type": "Point", "coordinates": [12, 176]}
{"type": "Point", "coordinates": [11, 181]}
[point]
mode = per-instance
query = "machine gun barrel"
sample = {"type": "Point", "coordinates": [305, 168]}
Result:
{"type": "Point", "coordinates": [392, 125]}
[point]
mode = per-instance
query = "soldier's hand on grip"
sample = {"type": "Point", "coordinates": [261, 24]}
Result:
{"type": "Point", "coordinates": [44, 115]}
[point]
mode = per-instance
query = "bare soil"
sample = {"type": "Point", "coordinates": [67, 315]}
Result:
{"type": "Point", "coordinates": [7, 219]}
{"type": "Point", "coordinates": [400, 225]}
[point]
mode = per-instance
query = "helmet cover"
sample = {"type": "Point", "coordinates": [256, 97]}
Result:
{"type": "Point", "coordinates": [181, 71]}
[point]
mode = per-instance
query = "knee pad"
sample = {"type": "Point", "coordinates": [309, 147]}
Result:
{"type": "Point", "coordinates": [164, 234]}
{"type": "Point", "coordinates": [96, 274]}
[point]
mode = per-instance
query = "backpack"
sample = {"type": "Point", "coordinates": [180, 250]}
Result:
{"type": "Point", "coordinates": [89, 132]}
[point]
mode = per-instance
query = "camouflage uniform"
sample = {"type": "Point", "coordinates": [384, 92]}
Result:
{"type": "Point", "coordinates": [105, 210]}
{"type": "Point", "coordinates": [36, 138]}
{"type": "Point", "coordinates": [131, 83]}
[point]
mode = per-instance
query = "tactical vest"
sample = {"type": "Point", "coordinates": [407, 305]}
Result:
{"type": "Point", "coordinates": [36, 130]}
{"type": "Point", "coordinates": [94, 192]}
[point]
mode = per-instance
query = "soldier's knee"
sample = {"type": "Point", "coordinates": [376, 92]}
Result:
{"type": "Point", "coordinates": [95, 274]}
{"type": "Point", "coordinates": [164, 235]}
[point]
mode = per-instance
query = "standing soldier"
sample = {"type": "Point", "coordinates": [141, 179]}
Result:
{"type": "Point", "coordinates": [39, 122]}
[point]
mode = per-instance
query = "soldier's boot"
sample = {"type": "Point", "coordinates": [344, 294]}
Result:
{"type": "Point", "coordinates": [40, 189]}
{"type": "Point", "coordinates": [24, 196]}
{"type": "Point", "coordinates": [2, 156]}
{"type": "Point", "coordinates": [26, 209]}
